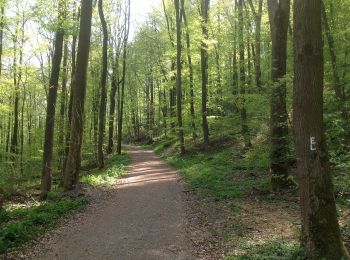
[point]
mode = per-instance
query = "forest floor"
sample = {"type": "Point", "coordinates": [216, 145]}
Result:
{"type": "Point", "coordinates": [143, 217]}
{"type": "Point", "coordinates": [213, 206]}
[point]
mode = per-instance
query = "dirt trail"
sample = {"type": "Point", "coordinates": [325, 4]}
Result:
{"type": "Point", "coordinates": [142, 219]}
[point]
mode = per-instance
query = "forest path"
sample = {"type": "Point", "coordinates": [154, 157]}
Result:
{"type": "Point", "coordinates": [143, 218]}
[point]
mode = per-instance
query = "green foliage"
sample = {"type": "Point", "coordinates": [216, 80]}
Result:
{"type": "Point", "coordinates": [21, 225]}
{"type": "Point", "coordinates": [115, 168]}
{"type": "Point", "coordinates": [221, 174]}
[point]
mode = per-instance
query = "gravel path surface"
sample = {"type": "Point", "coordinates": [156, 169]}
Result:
{"type": "Point", "coordinates": [143, 218]}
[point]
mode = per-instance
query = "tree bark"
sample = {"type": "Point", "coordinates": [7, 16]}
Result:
{"type": "Point", "coordinates": [279, 21]}
{"type": "Point", "coordinates": [243, 110]}
{"type": "Point", "coordinates": [74, 157]}
{"type": "Point", "coordinates": [320, 228]}
{"type": "Point", "coordinates": [257, 57]}
{"type": "Point", "coordinates": [189, 61]}
{"type": "Point", "coordinates": [102, 111]}
{"type": "Point", "coordinates": [178, 76]}
{"type": "Point", "coordinates": [125, 43]}
{"type": "Point", "coordinates": [46, 175]}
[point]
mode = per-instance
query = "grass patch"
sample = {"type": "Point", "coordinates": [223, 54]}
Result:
{"type": "Point", "coordinates": [221, 173]}
{"type": "Point", "coordinates": [273, 249]}
{"type": "Point", "coordinates": [115, 169]}
{"type": "Point", "coordinates": [21, 225]}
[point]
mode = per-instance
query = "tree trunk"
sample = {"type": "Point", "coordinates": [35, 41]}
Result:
{"type": "Point", "coordinates": [74, 157]}
{"type": "Point", "coordinates": [257, 57]}
{"type": "Point", "coordinates": [46, 175]}
{"type": "Point", "coordinates": [339, 93]}
{"type": "Point", "coordinates": [189, 60]}
{"type": "Point", "coordinates": [204, 68]}
{"type": "Point", "coordinates": [102, 111]}
{"type": "Point", "coordinates": [279, 22]}
{"type": "Point", "coordinates": [178, 76]}
{"type": "Point", "coordinates": [113, 93]}
{"type": "Point", "coordinates": [125, 43]}
{"type": "Point", "coordinates": [243, 110]}
{"type": "Point", "coordinates": [63, 108]}
{"type": "Point", "coordinates": [320, 228]}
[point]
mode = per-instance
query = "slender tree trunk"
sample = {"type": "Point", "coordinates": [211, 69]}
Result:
{"type": "Point", "coordinates": [63, 108]}
{"type": "Point", "coordinates": [178, 76]}
{"type": "Point", "coordinates": [243, 110]}
{"type": "Point", "coordinates": [113, 92]}
{"type": "Point", "coordinates": [46, 175]}
{"type": "Point", "coordinates": [339, 93]}
{"type": "Point", "coordinates": [125, 43]}
{"type": "Point", "coordinates": [190, 66]}
{"type": "Point", "coordinates": [102, 111]}
{"type": "Point", "coordinates": [257, 57]}
{"type": "Point", "coordinates": [320, 228]}
{"type": "Point", "coordinates": [204, 68]}
{"type": "Point", "coordinates": [74, 156]}
{"type": "Point", "coordinates": [279, 151]}
{"type": "Point", "coordinates": [70, 104]}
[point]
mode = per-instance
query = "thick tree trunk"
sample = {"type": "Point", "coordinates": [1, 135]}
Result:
{"type": "Point", "coordinates": [74, 157]}
{"type": "Point", "coordinates": [125, 43]}
{"type": "Point", "coordinates": [204, 68]}
{"type": "Point", "coordinates": [320, 228]}
{"type": "Point", "coordinates": [46, 175]}
{"type": "Point", "coordinates": [178, 76]}
{"type": "Point", "coordinates": [279, 21]}
{"type": "Point", "coordinates": [102, 111]}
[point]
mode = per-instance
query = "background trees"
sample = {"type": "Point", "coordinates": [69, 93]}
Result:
{"type": "Point", "coordinates": [225, 65]}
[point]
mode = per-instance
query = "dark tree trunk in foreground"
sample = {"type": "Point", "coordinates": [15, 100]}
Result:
{"type": "Point", "coordinates": [46, 174]}
{"type": "Point", "coordinates": [125, 43]}
{"type": "Point", "coordinates": [102, 111]}
{"type": "Point", "coordinates": [320, 228]}
{"type": "Point", "coordinates": [242, 77]}
{"type": "Point", "coordinates": [204, 68]}
{"type": "Point", "coordinates": [279, 22]}
{"type": "Point", "coordinates": [74, 157]}
{"type": "Point", "coordinates": [178, 76]}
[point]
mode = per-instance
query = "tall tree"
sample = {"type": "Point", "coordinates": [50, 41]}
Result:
{"type": "Point", "coordinates": [204, 67]}
{"type": "Point", "coordinates": [125, 45]}
{"type": "Point", "coordinates": [320, 228]}
{"type": "Point", "coordinates": [46, 175]}
{"type": "Point", "coordinates": [178, 76]}
{"type": "Point", "coordinates": [279, 22]}
{"type": "Point", "coordinates": [190, 65]}
{"type": "Point", "coordinates": [339, 92]}
{"type": "Point", "coordinates": [102, 111]}
{"type": "Point", "coordinates": [242, 76]}
{"type": "Point", "coordinates": [71, 176]}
